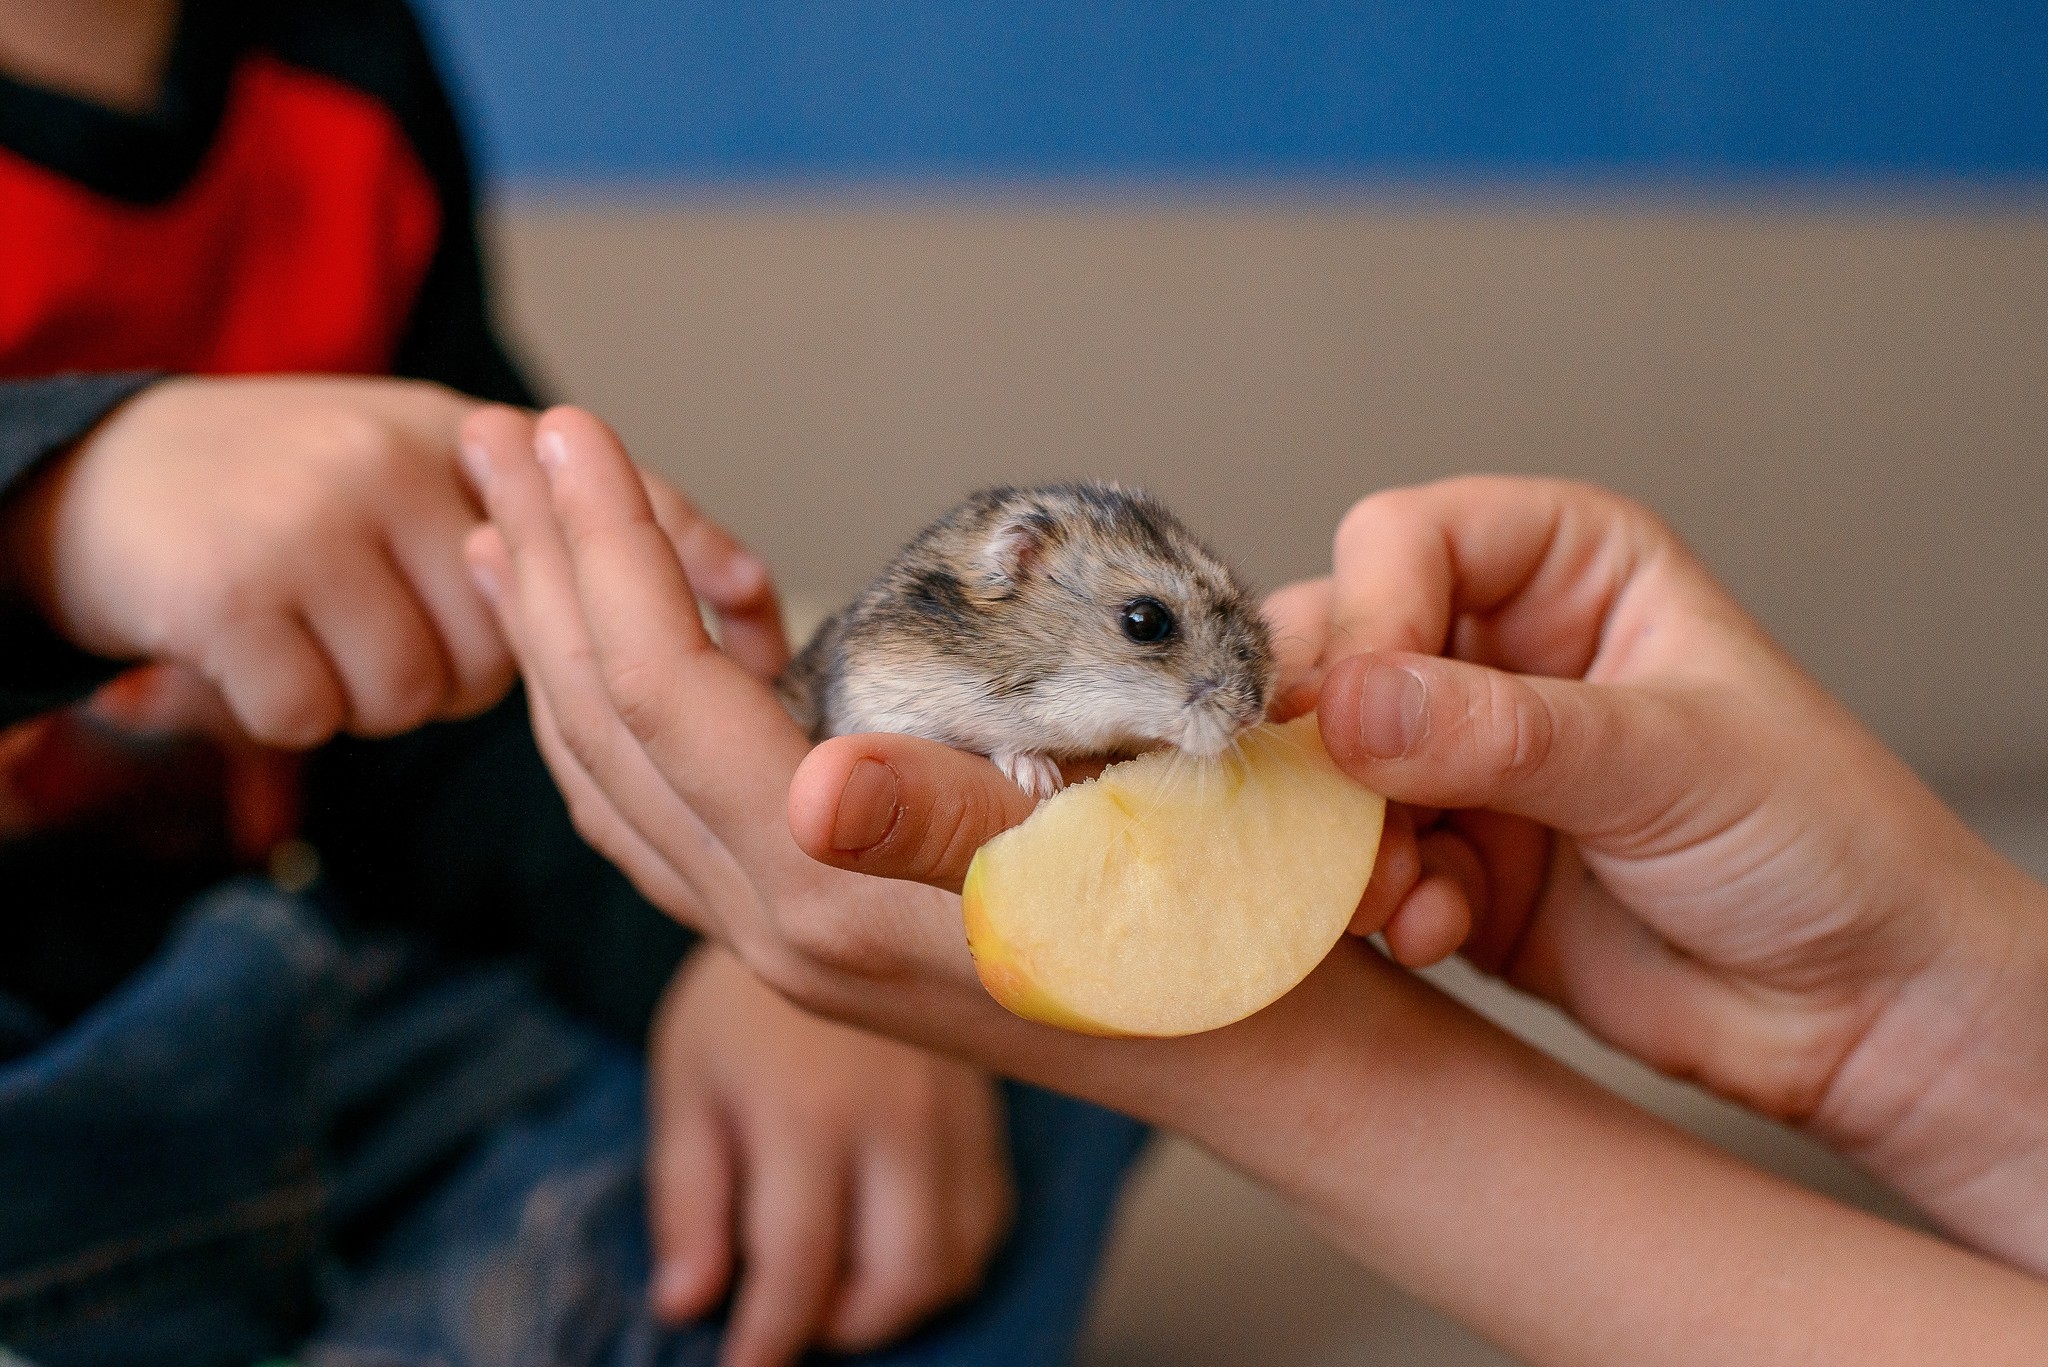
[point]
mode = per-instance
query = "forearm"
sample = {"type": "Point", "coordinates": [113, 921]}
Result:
{"type": "Point", "coordinates": [1555, 1219]}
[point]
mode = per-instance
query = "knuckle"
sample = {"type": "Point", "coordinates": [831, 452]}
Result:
{"type": "Point", "coordinates": [583, 736]}
{"type": "Point", "coordinates": [298, 715]}
{"type": "Point", "coordinates": [218, 598]}
{"type": "Point", "coordinates": [1636, 519]}
{"type": "Point", "coordinates": [639, 689]}
{"type": "Point", "coordinates": [1361, 526]}
{"type": "Point", "coordinates": [1527, 727]}
{"type": "Point", "coordinates": [957, 826]}
{"type": "Point", "coordinates": [406, 692]}
{"type": "Point", "coordinates": [481, 683]}
{"type": "Point", "coordinates": [356, 439]}
{"type": "Point", "coordinates": [306, 519]}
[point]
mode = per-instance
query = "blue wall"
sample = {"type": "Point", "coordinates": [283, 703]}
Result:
{"type": "Point", "coordinates": [1405, 91]}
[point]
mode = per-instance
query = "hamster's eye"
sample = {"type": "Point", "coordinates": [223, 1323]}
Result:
{"type": "Point", "coordinates": [1146, 621]}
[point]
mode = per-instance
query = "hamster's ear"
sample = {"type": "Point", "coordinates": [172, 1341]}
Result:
{"type": "Point", "coordinates": [1014, 547]}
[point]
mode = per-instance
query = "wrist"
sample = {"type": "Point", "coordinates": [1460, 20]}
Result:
{"type": "Point", "coordinates": [1946, 1096]}
{"type": "Point", "coordinates": [27, 539]}
{"type": "Point", "coordinates": [1284, 1093]}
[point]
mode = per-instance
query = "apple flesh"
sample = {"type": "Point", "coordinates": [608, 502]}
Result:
{"type": "Point", "coordinates": [1174, 895]}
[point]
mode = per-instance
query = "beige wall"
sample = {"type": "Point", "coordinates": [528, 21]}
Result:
{"type": "Point", "coordinates": [1847, 412]}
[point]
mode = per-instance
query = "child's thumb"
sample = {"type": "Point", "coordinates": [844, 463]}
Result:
{"type": "Point", "coordinates": [1591, 760]}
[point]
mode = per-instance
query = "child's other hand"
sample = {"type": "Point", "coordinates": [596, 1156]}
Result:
{"type": "Point", "coordinates": [295, 540]}
{"type": "Point", "coordinates": [1633, 804]}
{"type": "Point", "coordinates": [850, 1185]}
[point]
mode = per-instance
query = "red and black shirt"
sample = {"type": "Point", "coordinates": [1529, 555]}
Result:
{"type": "Point", "coordinates": [297, 201]}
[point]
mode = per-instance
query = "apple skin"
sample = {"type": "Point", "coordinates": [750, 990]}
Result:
{"type": "Point", "coordinates": [1004, 977]}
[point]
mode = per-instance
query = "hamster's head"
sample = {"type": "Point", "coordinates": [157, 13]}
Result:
{"type": "Point", "coordinates": [1113, 626]}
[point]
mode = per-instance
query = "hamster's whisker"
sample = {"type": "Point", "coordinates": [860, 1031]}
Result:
{"type": "Point", "coordinates": [1280, 737]}
{"type": "Point", "coordinates": [1140, 817]}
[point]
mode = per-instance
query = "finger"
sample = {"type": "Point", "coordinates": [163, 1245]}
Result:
{"type": "Point", "coordinates": [1601, 762]}
{"type": "Point", "coordinates": [691, 1201]}
{"type": "Point", "coordinates": [710, 727]}
{"type": "Point", "coordinates": [591, 810]}
{"type": "Point", "coordinates": [899, 1271]}
{"type": "Point", "coordinates": [1515, 856]}
{"type": "Point", "coordinates": [428, 549]}
{"type": "Point", "coordinates": [1437, 918]}
{"type": "Point", "coordinates": [597, 819]}
{"type": "Point", "coordinates": [981, 1175]}
{"type": "Point", "coordinates": [387, 654]}
{"type": "Point", "coordinates": [277, 681]}
{"type": "Point", "coordinates": [1550, 557]}
{"type": "Point", "coordinates": [1298, 617]}
{"type": "Point", "coordinates": [1395, 870]}
{"type": "Point", "coordinates": [603, 770]}
{"type": "Point", "coordinates": [1582, 943]}
{"type": "Point", "coordinates": [900, 807]}
{"type": "Point", "coordinates": [1430, 923]}
{"type": "Point", "coordinates": [794, 1229]}
{"type": "Point", "coordinates": [727, 576]}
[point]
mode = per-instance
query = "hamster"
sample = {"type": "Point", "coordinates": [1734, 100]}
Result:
{"type": "Point", "coordinates": [1040, 625]}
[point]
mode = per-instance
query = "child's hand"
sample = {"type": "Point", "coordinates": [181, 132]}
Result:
{"type": "Point", "coordinates": [858, 1184]}
{"type": "Point", "coordinates": [1746, 887]}
{"type": "Point", "coordinates": [297, 541]}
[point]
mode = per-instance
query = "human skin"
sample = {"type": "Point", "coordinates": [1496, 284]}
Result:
{"type": "Point", "coordinates": [112, 52]}
{"type": "Point", "coordinates": [1658, 822]}
{"type": "Point", "coordinates": [287, 552]}
{"type": "Point", "coordinates": [1481, 1176]}
{"type": "Point", "coordinates": [294, 541]}
{"type": "Point", "coordinates": [862, 1184]}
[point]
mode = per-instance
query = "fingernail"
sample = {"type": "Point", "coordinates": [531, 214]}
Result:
{"type": "Point", "coordinates": [1393, 711]}
{"type": "Point", "coordinates": [486, 583]}
{"type": "Point", "coordinates": [477, 464]}
{"type": "Point", "coordinates": [867, 807]}
{"type": "Point", "coordinates": [553, 450]}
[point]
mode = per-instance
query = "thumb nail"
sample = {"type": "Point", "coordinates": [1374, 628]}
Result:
{"type": "Point", "coordinates": [867, 807]}
{"type": "Point", "coordinates": [1393, 711]}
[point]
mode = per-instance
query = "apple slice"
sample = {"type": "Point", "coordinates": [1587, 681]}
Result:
{"type": "Point", "coordinates": [1173, 895]}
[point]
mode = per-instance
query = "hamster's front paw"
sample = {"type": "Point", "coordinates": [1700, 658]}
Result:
{"type": "Point", "coordinates": [1033, 771]}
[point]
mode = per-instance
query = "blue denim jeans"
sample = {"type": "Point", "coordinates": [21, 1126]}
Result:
{"type": "Point", "coordinates": [279, 1140]}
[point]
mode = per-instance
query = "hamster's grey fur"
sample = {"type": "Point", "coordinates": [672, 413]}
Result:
{"type": "Point", "coordinates": [999, 629]}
